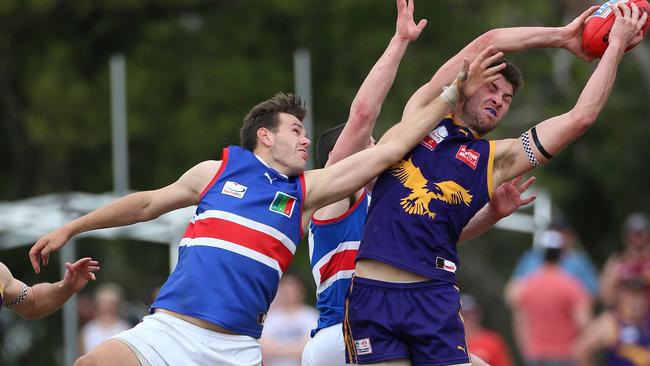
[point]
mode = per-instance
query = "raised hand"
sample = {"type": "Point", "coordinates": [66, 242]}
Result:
{"type": "Point", "coordinates": [79, 273]}
{"type": "Point", "coordinates": [573, 34]}
{"type": "Point", "coordinates": [507, 197]}
{"type": "Point", "coordinates": [473, 76]}
{"type": "Point", "coordinates": [47, 244]}
{"type": "Point", "coordinates": [628, 24]}
{"type": "Point", "coordinates": [406, 27]}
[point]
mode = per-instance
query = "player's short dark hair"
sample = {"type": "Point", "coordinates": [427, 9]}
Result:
{"type": "Point", "coordinates": [326, 142]}
{"type": "Point", "coordinates": [552, 255]}
{"type": "Point", "coordinates": [512, 74]}
{"type": "Point", "coordinates": [265, 115]}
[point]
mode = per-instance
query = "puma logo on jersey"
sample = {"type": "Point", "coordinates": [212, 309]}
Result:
{"type": "Point", "coordinates": [268, 176]}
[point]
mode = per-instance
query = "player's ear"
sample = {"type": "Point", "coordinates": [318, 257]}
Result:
{"type": "Point", "coordinates": [265, 137]}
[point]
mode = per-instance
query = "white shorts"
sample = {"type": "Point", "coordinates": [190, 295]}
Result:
{"type": "Point", "coordinates": [326, 348]}
{"type": "Point", "coordinates": [161, 339]}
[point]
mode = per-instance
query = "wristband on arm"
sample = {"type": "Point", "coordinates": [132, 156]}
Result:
{"type": "Point", "coordinates": [20, 298]}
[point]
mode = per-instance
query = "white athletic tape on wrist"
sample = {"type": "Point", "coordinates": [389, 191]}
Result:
{"type": "Point", "coordinates": [450, 95]}
{"type": "Point", "coordinates": [21, 298]}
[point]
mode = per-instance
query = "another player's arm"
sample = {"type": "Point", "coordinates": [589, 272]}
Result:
{"type": "Point", "coordinates": [506, 200]}
{"type": "Point", "coordinates": [340, 180]}
{"type": "Point", "coordinates": [130, 209]}
{"type": "Point", "coordinates": [372, 93]}
{"type": "Point", "coordinates": [45, 298]}
{"type": "Point", "coordinates": [601, 333]}
{"type": "Point", "coordinates": [548, 138]}
{"type": "Point", "coordinates": [507, 40]}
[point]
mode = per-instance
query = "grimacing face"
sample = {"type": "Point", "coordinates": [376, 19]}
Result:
{"type": "Point", "coordinates": [290, 144]}
{"type": "Point", "coordinates": [485, 109]}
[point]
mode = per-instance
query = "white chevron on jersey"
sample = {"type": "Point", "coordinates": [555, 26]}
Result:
{"type": "Point", "coordinates": [320, 268]}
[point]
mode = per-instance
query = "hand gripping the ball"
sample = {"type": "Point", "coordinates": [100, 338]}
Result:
{"type": "Point", "coordinates": [628, 26]}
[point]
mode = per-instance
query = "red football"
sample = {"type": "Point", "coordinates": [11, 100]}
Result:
{"type": "Point", "coordinates": [596, 32]}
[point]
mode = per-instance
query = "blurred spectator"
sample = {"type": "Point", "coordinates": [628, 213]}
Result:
{"type": "Point", "coordinates": [574, 260]}
{"type": "Point", "coordinates": [482, 342]}
{"type": "Point", "coordinates": [85, 309]}
{"type": "Point", "coordinates": [633, 262]}
{"type": "Point", "coordinates": [550, 307]}
{"type": "Point", "coordinates": [107, 322]}
{"type": "Point", "coordinates": [288, 324]}
{"type": "Point", "coordinates": [623, 333]}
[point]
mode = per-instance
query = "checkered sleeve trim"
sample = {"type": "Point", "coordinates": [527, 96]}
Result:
{"type": "Point", "coordinates": [21, 298]}
{"type": "Point", "coordinates": [528, 150]}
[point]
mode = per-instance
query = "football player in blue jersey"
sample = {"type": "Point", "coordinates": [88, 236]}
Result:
{"type": "Point", "coordinates": [403, 303]}
{"type": "Point", "coordinates": [43, 299]}
{"type": "Point", "coordinates": [252, 209]}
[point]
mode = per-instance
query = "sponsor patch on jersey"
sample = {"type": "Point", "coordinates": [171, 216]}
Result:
{"type": "Point", "coordinates": [468, 156]}
{"type": "Point", "coordinates": [435, 137]}
{"type": "Point", "coordinates": [445, 265]}
{"type": "Point", "coordinates": [283, 204]}
{"type": "Point", "coordinates": [234, 189]}
{"type": "Point", "coordinates": [363, 346]}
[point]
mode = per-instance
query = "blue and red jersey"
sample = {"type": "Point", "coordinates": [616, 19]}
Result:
{"type": "Point", "coordinates": [421, 204]}
{"type": "Point", "coordinates": [333, 246]}
{"type": "Point", "coordinates": [241, 240]}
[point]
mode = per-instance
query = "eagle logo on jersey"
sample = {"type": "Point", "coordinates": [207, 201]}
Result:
{"type": "Point", "coordinates": [422, 191]}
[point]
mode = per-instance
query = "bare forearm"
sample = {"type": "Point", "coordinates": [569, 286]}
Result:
{"type": "Point", "coordinates": [375, 87]}
{"type": "Point", "coordinates": [416, 125]}
{"type": "Point", "coordinates": [484, 219]}
{"type": "Point", "coordinates": [45, 298]}
{"type": "Point", "coordinates": [125, 211]}
{"type": "Point", "coordinates": [507, 40]}
{"type": "Point", "coordinates": [366, 105]}
{"type": "Point", "coordinates": [600, 84]}
{"type": "Point", "coordinates": [517, 39]}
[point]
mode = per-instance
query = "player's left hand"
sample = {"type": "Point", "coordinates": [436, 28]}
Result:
{"type": "Point", "coordinates": [406, 28]}
{"type": "Point", "coordinates": [507, 197]}
{"type": "Point", "coordinates": [474, 75]}
{"type": "Point", "coordinates": [79, 273]}
{"type": "Point", "coordinates": [573, 34]}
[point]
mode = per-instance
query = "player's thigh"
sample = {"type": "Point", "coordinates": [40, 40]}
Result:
{"type": "Point", "coordinates": [109, 353]}
{"type": "Point", "coordinates": [326, 348]}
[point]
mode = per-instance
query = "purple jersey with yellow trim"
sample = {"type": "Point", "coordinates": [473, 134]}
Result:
{"type": "Point", "coordinates": [239, 243]}
{"type": "Point", "coordinates": [333, 246]}
{"type": "Point", "coordinates": [632, 345]}
{"type": "Point", "coordinates": [421, 204]}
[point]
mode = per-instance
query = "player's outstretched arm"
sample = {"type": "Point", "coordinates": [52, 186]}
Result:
{"type": "Point", "coordinates": [338, 181]}
{"type": "Point", "coordinates": [506, 200]}
{"type": "Point", "coordinates": [372, 93]}
{"type": "Point", "coordinates": [45, 298]}
{"type": "Point", "coordinates": [537, 146]}
{"type": "Point", "coordinates": [507, 40]}
{"type": "Point", "coordinates": [599, 334]}
{"type": "Point", "coordinates": [135, 207]}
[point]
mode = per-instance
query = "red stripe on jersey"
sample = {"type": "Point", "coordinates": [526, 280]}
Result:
{"type": "Point", "coordinates": [341, 261]}
{"type": "Point", "coordinates": [241, 235]}
{"type": "Point", "coordinates": [222, 167]}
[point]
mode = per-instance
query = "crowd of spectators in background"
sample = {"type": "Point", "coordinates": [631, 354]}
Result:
{"type": "Point", "coordinates": [555, 289]}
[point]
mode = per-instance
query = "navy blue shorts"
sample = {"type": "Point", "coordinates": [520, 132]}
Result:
{"type": "Point", "coordinates": [418, 321]}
